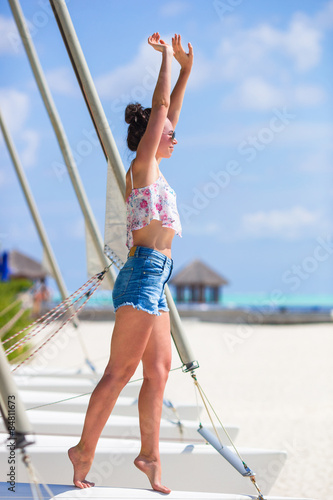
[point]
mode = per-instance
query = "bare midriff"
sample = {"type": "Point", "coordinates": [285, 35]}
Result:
{"type": "Point", "coordinates": [154, 236]}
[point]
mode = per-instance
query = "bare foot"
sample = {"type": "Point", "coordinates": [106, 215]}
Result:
{"type": "Point", "coordinates": [153, 470]}
{"type": "Point", "coordinates": [81, 468]}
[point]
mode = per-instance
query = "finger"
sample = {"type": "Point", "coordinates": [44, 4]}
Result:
{"type": "Point", "coordinates": [190, 49]}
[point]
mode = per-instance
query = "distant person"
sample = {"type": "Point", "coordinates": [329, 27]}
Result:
{"type": "Point", "coordinates": [142, 324]}
{"type": "Point", "coordinates": [41, 297]}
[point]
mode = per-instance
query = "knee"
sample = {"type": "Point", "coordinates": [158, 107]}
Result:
{"type": "Point", "coordinates": [158, 374]}
{"type": "Point", "coordinates": [119, 375]}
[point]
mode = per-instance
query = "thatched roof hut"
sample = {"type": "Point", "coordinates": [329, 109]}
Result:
{"type": "Point", "coordinates": [197, 282]}
{"type": "Point", "coordinates": [15, 264]}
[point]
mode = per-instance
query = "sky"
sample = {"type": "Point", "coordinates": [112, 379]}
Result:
{"type": "Point", "coordinates": [253, 165]}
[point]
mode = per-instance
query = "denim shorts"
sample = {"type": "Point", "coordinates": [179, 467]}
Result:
{"type": "Point", "coordinates": [140, 282]}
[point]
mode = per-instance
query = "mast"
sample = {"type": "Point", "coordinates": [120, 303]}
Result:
{"type": "Point", "coordinates": [11, 406]}
{"type": "Point", "coordinates": [33, 210]}
{"type": "Point", "coordinates": [61, 137]}
{"type": "Point", "coordinates": [109, 147]}
{"type": "Point", "coordinates": [41, 232]}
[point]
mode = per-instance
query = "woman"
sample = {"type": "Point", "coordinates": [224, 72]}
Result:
{"type": "Point", "coordinates": [142, 324]}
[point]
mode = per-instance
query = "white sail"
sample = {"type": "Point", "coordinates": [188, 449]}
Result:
{"type": "Point", "coordinates": [115, 221]}
{"type": "Point", "coordinates": [94, 265]}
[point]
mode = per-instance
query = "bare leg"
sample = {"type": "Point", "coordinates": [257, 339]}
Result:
{"type": "Point", "coordinates": [129, 339]}
{"type": "Point", "coordinates": [156, 362]}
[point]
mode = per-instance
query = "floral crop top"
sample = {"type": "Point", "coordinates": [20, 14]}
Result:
{"type": "Point", "coordinates": [154, 202]}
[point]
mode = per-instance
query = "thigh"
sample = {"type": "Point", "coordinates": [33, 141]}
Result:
{"type": "Point", "coordinates": [130, 336]}
{"type": "Point", "coordinates": [157, 354]}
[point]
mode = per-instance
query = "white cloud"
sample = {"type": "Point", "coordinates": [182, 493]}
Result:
{"type": "Point", "coordinates": [202, 71]}
{"type": "Point", "coordinates": [296, 133]}
{"type": "Point", "coordinates": [264, 49]}
{"type": "Point", "coordinates": [264, 63]}
{"type": "Point", "coordinates": [302, 42]}
{"type": "Point", "coordinates": [10, 41]}
{"type": "Point", "coordinates": [133, 81]}
{"type": "Point", "coordinates": [15, 107]}
{"type": "Point", "coordinates": [174, 9]}
{"type": "Point", "coordinates": [62, 81]}
{"type": "Point", "coordinates": [308, 95]}
{"type": "Point", "coordinates": [307, 133]}
{"type": "Point", "coordinates": [29, 154]}
{"type": "Point", "coordinates": [261, 61]}
{"type": "Point", "coordinates": [318, 162]}
{"type": "Point", "coordinates": [255, 93]}
{"type": "Point", "coordinates": [290, 224]}
{"type": "Point", "coordinates": [323, 20]}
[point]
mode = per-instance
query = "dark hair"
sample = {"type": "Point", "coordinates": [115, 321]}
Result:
{"type": "Point", "coordinates": [137, 117]}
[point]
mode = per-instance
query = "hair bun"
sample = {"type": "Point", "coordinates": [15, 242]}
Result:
{"type": "Point", "coordinates": [132, 112]}
{"type": "Point", "coordinates": [138, 118]}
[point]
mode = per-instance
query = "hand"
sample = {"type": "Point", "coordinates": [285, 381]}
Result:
{"type": "Point", "coordinates": [184, 59]}
{"type": "Point", "coordinates": [158, 44]}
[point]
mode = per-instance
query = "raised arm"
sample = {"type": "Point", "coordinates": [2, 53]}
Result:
{"type": "Point", "coordinates": [185, 60]}
{"type": "Point", "coordinates": [160, 106]}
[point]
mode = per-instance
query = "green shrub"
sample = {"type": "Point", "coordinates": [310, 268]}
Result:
{"type": "Point", "coordinates": [8, 294]}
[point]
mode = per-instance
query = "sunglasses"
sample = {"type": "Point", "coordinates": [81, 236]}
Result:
{"type": "Point", "coordinates": [171, 135]}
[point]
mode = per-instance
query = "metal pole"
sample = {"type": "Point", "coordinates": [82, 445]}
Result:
{"type": "Point", "coordinates": [87, 86]}
{"type": "Point", "coordinates": [109, 146]}
{"type": "Point", "coordinates": [61, 136]}
{"type": "Point", "coordinates": [41, 231]}
{"type": "Point", "coordinates": [33, 210]}
{"type": "Point", "coordinates": [12, 408]}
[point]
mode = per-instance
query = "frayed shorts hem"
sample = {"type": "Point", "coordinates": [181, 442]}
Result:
{"type": "Point", "coordinates": [140, 308]}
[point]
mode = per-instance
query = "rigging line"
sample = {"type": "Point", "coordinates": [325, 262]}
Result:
{"type": "Point", "coordinates": [201, 392]}
{"type": "Point", "coordinates": [36, 479]}
{"type": "Point", "coordinates": [28, 336]}
{"type": "Point", "coordinates": [59, 401]}
{"type": "Point", "coordinates": [54, 311]}
{"type": "Point", "coordinates": [197, 403]}
{"type": "Point", "coordinates": [207, 410]}
{"type": "Point", "coordinates": [204, 397]}
{"type": "Point", "coordinates": [91, 292]}
{"type": "Point", "coordinates": [86, 394]}
{"type": "Point", "coordinates": [50, 338]}
{"type": "Point", "coordinates": [225, 430]}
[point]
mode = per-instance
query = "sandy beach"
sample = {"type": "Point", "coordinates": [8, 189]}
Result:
{"type": "Point", "coordinates": [274, 382]}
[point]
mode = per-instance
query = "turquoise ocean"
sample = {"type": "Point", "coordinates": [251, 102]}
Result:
{"type": "Point", "coordinates": [323, 302]}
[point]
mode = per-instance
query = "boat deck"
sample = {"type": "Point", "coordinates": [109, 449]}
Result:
{"type": "Point", "coordinates": [23, 492]}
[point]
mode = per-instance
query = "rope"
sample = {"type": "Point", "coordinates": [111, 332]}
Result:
{"type": "Point", "coordinates": [88, 295]}
{"type": "Point", "coordinates": [204, 399]}
{"type": "Point", "coordinates": [207, 410]}
{"type": "Point", "coordinates": [88, 393]}
{"type": "Point", "coordinates": [65, 304]}
{"type": "Point", "coordinates": [35, 481]}
{"type": "Point", "coordinates": [55, 313]}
